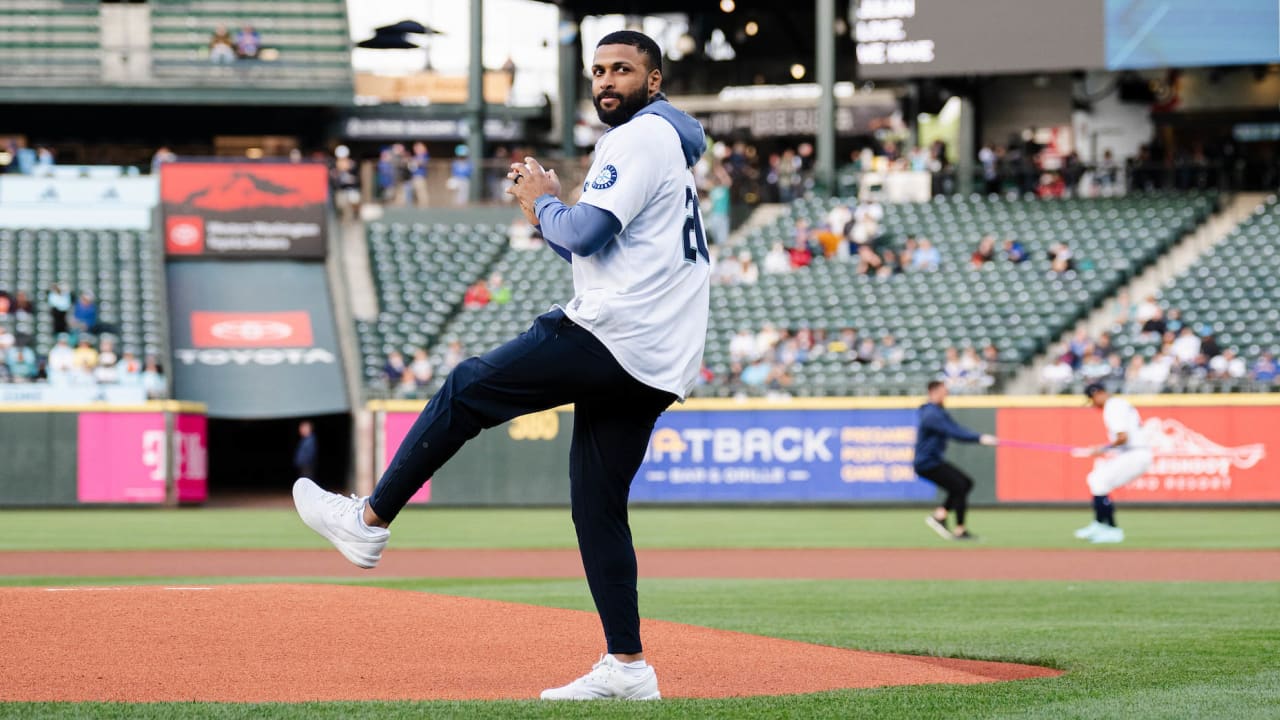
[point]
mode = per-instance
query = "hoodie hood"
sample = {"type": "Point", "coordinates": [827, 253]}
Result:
{"type": "Point", "coordinates": [692, 139]}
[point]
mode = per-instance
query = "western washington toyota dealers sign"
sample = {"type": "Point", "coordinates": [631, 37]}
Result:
{"type": "Point", "coordinates": [241, 209]}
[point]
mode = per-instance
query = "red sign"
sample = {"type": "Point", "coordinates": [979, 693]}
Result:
{"type": "Point", "coordinates": [1200, 454]}
{"type": "Point", "coordinates": [184, 235]}
{"type": "Point", "coordinates": [251, 329]}
{"type": "Point", "coordinates": [244, 209]}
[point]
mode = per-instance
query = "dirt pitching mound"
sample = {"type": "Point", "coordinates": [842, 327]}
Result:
{"type": "Point", "coordinates": [292, 643]}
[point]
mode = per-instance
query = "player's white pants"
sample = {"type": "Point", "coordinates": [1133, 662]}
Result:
{"type": "Point", "coordinates": [1115, 472]}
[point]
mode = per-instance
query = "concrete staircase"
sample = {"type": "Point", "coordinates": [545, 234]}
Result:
{"type": "Point", "coordinates": [1182, 256]}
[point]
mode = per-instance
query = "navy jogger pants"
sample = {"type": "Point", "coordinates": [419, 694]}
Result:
{"type": "Point", "coordinates": [553, 363]}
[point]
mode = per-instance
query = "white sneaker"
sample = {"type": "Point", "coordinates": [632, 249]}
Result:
{"type": "Point", "coordinates": [609, 679]}
{"type": "Point", "coordinates": [1089, 530]}
{"type": "Point", "coordinates": [939, 526]}
{"type": "Point", "coordinates": [1108, 534]}
{"type": "Point", "coordinates": [340, 520]}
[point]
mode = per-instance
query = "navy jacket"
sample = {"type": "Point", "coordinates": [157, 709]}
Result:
{"type": "Point", "coordinates": [305, 454]}
{"type": "Point", "coordinates": [935, 426]}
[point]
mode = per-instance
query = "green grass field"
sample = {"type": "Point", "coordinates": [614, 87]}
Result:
{"type": "Point", "coordinates": [1131, 650]}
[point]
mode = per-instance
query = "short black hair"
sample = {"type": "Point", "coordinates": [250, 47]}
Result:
{"type": "Point", "coordinates": [934, 385]}
{"type": "Point", "coordinates": [638, 40]}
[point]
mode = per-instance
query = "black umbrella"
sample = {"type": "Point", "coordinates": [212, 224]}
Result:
{"type": "Point", "coordinates": [393, 37]}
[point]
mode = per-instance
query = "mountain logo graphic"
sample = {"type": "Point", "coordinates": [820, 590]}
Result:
{"type": "Point", "coordinates": [1170, 438]}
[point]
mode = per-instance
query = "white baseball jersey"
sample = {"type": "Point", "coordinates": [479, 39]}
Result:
{"type": "Point", "coordinates": [1121, 417]}
{"type": "Point", "coordinates": [646, 294]}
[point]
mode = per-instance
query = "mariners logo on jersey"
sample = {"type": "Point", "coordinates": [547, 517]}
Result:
{"type": "Point", "coordinates": [605, 179]}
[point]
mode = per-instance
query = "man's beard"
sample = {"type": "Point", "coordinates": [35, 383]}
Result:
{"type": "Point", "coordinates": [628, 106]}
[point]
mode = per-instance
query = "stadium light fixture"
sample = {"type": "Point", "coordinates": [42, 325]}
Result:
{"type": "Point", "coordinates": [797, 71]}
{"type": "Point", "coordinates": [727, 6]}
{"type": "Point", "coordinates": [752, 28]}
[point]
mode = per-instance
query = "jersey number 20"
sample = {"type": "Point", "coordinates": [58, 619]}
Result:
{"type": "Point", "coordinates": [695, 242]}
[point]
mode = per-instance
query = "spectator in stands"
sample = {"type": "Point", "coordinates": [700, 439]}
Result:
{"type": "Point", "coordinates": [866, 222]}
{"type": "Point", "coordinates": [222, 50]}
{"type": "Point", "coordinates": [719, 197]}
{"type": "Point", "coordinates": [6, 345]}
{"type": "Point", "coordinates": [453, 354]}
{"type": "Point", "coordinates": [977, 375]}
{"type": "Point", "coordinates": [1107, 174]}
{"type": "Point", "coordinates": [1228, 366]}
{"type": "Point", "coordinates": [800, 254]}
{"type": "Point", "coordinates": [419, 165]}
{"type": "Point", "coordinates": [838, 219]}
{"type": "Point", "coordinates": [6, 304]}
{"type": "Point", "coordinates": [890, 265]}
{"type": "Point", "coordinates": [523, 236]}
{"type": "Point", "coordinates": [499, 291]}
{"type": "Point", "coordinates": [1093, 368]}
{"type": "Point", "coordinates": [985, 252]}
{"type": "Point", "coordinates": [460, 176]}
{"type": "Point", "coordinates": [1209, 346]}
{"type": "Point", "coordinates": [346, 181]}
{"type": "Point", "coordinates": [153, 379]}
{"type": "Point", "coordinates": [85, 357]}
{"type": "Point", "coordinates": [162, 155]}
{"type": "Point", "coordinates": [767, 339]}
{"type": "Point", "coordinates": [44, 162]}
{"type": "Point", "coordinates": [866, 353]}
{"type": "Point", "coordinates": [106, 371]}
{"type": "Point", "coordinates": [991, 359]}
{"type": "Point", "coordinates": [1014, 251]}
{"type": "Point", "coordinates": [1153, 327]}
{"type": "Point", "coordinates": [84, 316]}
{"type": "Point", "coordinates": [908, 254]}
{"type": "Point", "coordinates": [1061, 259]}
{"type": "Point", "coordinates": [1078, 345]}
{"type": "Point", "coordinates": [61, 362]}
{"type": "Point", "coordinates": [1173, 321]}
{"type": "Point", "coordinates": [953, 373]}
{"type": "Point", "coordinates": [1121, 311]}
{"type": "Point", "coordinates": [248, 42]}
{"type": "Point", "coordinates": [1146, 310]}
{"type": "Point", "coordinates": [1186, 347]}
{"type": "Point", "coordinates": [407, 387]}
{"type": "Point", "coordinates": [742, 346]}
{"type": "Point", "coordinates": [477, 296]}
{"type": "Point", "coordinates": [869, 262]}
{"type": "Point", "coordinates": [1133, 380]}
{"type": "Point", "coordinates": [305, 453]}
{"type": "Point", "coordinates": [1115, 370]}
{"type": "Point", "coordinates": [394, 368]}
{"type": "Point", "coordinates": [843, 345]}
{"type": "Point", "coordinates": [1265, 371]}
{"type": "Point", "coordinates": [21, 306]}
{"type": "Point", "coordinates": [1155, 374]}
{"type": "Point", "coordinates": [21, 360]}
{"type": "Point", "coordinates": [830, 244]}
{"type": "Point", "coordinates": [421, 368]}
{"type": "Point", "coordinates": [926, 256]}
{"type": "Point", "coordinates": [59, 305]}
{"type": "Point", "coordinates": [1055, 376]}
{"type": "Point", "coordinates": [891, 353]}
{"type": "Point", "coordinates": [130, 369]}
{"type": "Point", "coordinates": [777, 261]}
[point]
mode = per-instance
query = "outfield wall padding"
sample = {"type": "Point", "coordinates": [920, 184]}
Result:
{"type": "Point", "coordinates": [1208, 449]}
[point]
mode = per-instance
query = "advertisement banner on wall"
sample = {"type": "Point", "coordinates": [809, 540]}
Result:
{"type": "Point", "coordinates": [395, 428]}
{"type": "Point", "coordinates": [122, 457]}
{"type": "Point", "coordinates": [782, 456]}
{"type": "Point", "coordinates": [242, 209]}
{"type": "Point", "coordinates": [255, 339]}
{"type": "Point", "coordinates": [1200, 454]}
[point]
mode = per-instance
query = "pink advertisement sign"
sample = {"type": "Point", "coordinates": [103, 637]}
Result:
{"type": "Point", "coordinates": [394, 428]}
{"type": "Point", "coordinates": [121, 457]}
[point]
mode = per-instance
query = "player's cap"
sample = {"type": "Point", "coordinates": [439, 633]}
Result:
{"type": "Point", "coordinates": [1093, 389]}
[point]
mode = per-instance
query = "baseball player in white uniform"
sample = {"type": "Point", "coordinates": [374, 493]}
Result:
{"type": "Point", "coordinates": [626, 346]}
{"type": "Point", "coordinates": [1124, 458]}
